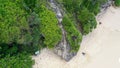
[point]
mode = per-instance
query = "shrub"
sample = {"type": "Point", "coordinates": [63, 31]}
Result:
{"type": "Point", "coordinates": [22, 60]}
{"type": "Point", "coordinates": [117, 2]}
{"type": "Point", "coordinates": [88, 21]}
{"type": "Point", "coordinates": [74, 37]}
{"type": "Point", "coordinates": [12, 20]}
{"type": "Point", "coordinates": [72, 5]}
{"type": "Point", "coordinates": [19, 27]}
{"type": "Point", "coordinates": [49, 27]}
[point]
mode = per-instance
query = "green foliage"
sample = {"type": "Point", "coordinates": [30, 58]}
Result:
{"type": "Point", "coordinates": [49, 27]}
{"type": "Point", "coordinates": [30, 3]}
{"type": "Point", "coordinates": [93, 5]}
{"type": "Point", "coordinates": [88, 21]}
{"type": "Point", "coordinates": [117, 2]}
{"type": "Point", "coordinates": [17, 26]}
{"type": "Point", "coordinates": [18, 32]}
{"type": "Point", "coordinates": [74, 37]}
{"type": "Point", "coordinates": [22, 60]}
{"type": "Point", "coordinates": [28, 26]}
{"type": "Point", "coordinates": [31, 38]}
{"type": "Point", "coordinates": [83, 11]}
{"type": "Point", "coordinates": [8, 49]}
{"type": "Point", "coordinates": [72, 5]}
{"type": "Point", "coordinates": [12, 20]}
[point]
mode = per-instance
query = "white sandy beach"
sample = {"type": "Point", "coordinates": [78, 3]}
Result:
{"type": "Point", "coordinates": [102, 47]}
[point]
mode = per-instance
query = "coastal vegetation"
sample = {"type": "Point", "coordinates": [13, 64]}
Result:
{"type": "Point", "coordinates": [18, 61]}
{"type": "Point", "coordinates": [117, 2]}
{"type": "Point", "coordinates": [74, 37]}
{"type": "Point", "coordinates": [49, 27]}
{"type": "Point", "coordinates": [84, 12]}
{"type": "Point", "coordinates": [27, 26]}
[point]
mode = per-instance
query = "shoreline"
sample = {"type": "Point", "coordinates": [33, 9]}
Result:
{"type": "Point", "coordinates": [102, 47]}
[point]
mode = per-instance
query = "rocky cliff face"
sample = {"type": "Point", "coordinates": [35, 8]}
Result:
{"type": "Point", "coordinates": [63, 48]}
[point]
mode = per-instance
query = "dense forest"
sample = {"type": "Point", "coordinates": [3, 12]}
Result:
{"type": "Point", "coordinates": [27, 26]}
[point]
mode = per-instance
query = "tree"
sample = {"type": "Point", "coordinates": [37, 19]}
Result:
{"type": "Point", "coordinates": [49, 27]}
{"type": "Point", "coordinates": [22, 60]}
{"type": "Point", "coordinates": [12, 21]}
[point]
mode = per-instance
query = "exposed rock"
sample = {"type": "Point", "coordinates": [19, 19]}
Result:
{"type": "Point", "coordinates": [63, 48]}
{"type": "Point", "coordinates": [83, 53]}
{"type": "Point", "coordinates": [107, 4]}
{"type": "Point", "coordinates": [104, 7]}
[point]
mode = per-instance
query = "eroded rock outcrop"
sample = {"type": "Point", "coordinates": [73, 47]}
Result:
{"type": "Point", "coordinates": [63, 48]}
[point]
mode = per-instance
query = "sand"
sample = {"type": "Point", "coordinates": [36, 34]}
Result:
{"type": "Point", "coordinates": [102, 47]}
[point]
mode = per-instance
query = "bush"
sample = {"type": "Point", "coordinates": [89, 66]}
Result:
{"type": "Point", "coordinates": [72, 5]}
{"type": "Point", "coordinates": [84, 12]}
{"type": "Point", "coordinates": [74, 37]}
{"type": "Point", "coordinates": [117, 2]}
{"type": "Point", "coordinates": [88, 21]}
{"type": "Point", "coordinates": [49, 27]}
{"type": "Point", "coordinates": [8, 49]}
{"type": "Point", "coordinates": [12, 20]}
{"type": "Point", "coordinates": [19, 27]}
{"type": "Point", "coordinates": [22, 60]}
